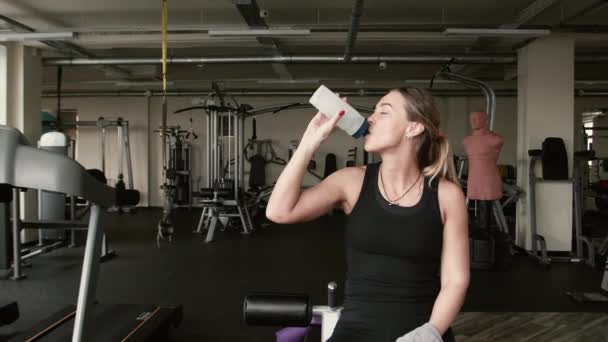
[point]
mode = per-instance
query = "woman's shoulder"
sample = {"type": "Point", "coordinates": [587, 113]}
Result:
{"type": "Point", "coordinates": [352, 173]}
{"type": "Point", "coordinates": [351, 181]}
{"type": "Point", "coordinates": [449, 191]}
{"type": "Point", "coordinates": [348, 178]}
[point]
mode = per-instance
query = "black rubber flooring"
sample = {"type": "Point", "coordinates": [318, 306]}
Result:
{"type": "Point", "coordinates": [211, 280]}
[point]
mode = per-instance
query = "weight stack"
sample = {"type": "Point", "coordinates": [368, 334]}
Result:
{"type": "Point", "coordinates": [482, 246]}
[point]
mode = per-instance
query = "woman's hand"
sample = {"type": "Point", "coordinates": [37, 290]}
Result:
{"type": "Point", "coordinates": [319, 128]}
{"type": "Point", "coordinates": [424, 333]}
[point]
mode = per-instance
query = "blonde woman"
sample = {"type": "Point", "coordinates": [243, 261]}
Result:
{"type": "Point", "coordinates": [406, 230]}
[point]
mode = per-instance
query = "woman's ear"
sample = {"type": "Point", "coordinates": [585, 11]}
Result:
{"type": "Point", "coordinates": [414, 129]}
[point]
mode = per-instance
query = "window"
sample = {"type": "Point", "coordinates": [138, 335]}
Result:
{"type": "Point", "coordinates": [589, 133]}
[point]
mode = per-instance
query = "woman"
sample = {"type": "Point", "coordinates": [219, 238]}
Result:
{"type": "Point", "coordinates": [407, 229]}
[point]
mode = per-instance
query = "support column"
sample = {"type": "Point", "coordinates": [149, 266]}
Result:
{"type": "Point", "coordinates": [20, 100]}
{"type": "Point", "coordinates": [545, 109]}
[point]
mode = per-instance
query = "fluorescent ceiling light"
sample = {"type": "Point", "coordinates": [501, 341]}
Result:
{"type": "Point", "coordinates": [141, 83]}
{"type": "Point", "coordinates": [494, 32]}
{"type": "Point", "coordinates": [259, 33]}
{"type": "Point", "coordinates": [10, 37]}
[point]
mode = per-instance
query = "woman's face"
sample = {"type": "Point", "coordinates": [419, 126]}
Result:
{"type": "Point", "coordinates": [388, 124]}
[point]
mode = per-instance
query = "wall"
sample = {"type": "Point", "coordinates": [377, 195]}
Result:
{"type": "Point", "coordinates": [88, 148]}
{"type": "Point", "coordinates": [281, 128]}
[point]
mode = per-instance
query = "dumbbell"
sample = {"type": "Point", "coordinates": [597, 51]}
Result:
{"type": "Point", "coordinates": [292, 310]}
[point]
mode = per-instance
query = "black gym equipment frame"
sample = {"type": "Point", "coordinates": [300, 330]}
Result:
{"type": "Point", "coordinates": [24, 166]}
{"type": "Point", "coordinates": [137, 323]}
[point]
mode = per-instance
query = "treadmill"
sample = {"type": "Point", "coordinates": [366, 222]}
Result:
{"type": "Point", "coordinates": [23, 166]}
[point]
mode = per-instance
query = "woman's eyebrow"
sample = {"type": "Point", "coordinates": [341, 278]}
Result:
{"type": "Point", "coordinates": [384, 104]}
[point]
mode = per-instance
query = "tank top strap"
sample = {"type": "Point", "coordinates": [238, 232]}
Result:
{"type": "Point", "coordinates": [367, 188]}
{"type": "Point", "coordinates": [371, 175]}
{"type": "Point", "coordinates": [370, 180]}
{"type": "Point", "coordinates": [432, 189]}
{"type": "Point", "coordinates": [434, 184]}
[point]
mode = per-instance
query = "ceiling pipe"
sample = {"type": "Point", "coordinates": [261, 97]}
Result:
{"type": "Point", "coordinates": [272, 92]}
{"type": "Point", "coordinates": [339, 28]}
{"type": "Point", "coordinates": [354, 29]}
{"type": "Point", "coordinates": [306, 93]}
{"type": "Point", "coordinates": [320, 59]}
{"type": "Point", "coordinates": [59, 45]}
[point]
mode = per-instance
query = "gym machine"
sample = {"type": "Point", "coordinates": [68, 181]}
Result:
{"type": "Point", "coordinates": [24, 166]}
{"type": "Point", "coordinates": [259, 153]}
{"type": "Point", "coordinates": [590, 185]}
{"type": "Point", "coordinates": [52, 205]}
{"type": "Point", "coordinates": [124, 150]}
{"type": "Point", "coordinates": [179, 164]}
{"type": "Point", "coordinates": [599, 246]}
{"type": "Point", "coordinates": [482, 248]}
{"type": "Point", "coordinates": [222, 199]}
{"type": "Point", "coordinates": [555, 169]}
{"type": "Point", "coordinates": [123, 135]}
{"type": "Point", "coordinates": [51, 218]}
{"type": "Point", "coordinates": [294, 311]}
{"type": "Point", "coordinates": [177, 173]}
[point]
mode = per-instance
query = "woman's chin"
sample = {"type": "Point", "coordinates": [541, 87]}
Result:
{"type": "Point", "coordinates": [369, 147]}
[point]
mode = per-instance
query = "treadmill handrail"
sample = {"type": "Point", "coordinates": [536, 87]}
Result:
{"type": "Point", "coordinates": [25, 166]}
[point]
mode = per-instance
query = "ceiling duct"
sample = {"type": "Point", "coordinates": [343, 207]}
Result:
{"type": "Point", "coordinates": [354, 29]}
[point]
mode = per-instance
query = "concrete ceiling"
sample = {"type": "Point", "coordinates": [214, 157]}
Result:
{"type": "Point", "coordinates": [117, 29]}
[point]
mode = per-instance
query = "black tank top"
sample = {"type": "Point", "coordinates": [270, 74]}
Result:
{"type": "Point", "coordinates": [394, 252]}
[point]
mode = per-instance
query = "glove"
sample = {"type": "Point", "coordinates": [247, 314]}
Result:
{"type": "Point", "coordinates": [424, 333]}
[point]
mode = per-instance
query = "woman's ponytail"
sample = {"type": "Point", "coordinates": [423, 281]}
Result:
{"type": "Point", "coordinates": [441, 161]}
{"type": "Point", "coordinates": [433, 149]}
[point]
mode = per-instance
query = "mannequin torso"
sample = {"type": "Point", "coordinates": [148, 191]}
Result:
{"type": "Point", "coordinates": [483, 148]}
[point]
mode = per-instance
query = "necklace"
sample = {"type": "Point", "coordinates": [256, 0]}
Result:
{"type": "Point", "coordinates": [393, 202]}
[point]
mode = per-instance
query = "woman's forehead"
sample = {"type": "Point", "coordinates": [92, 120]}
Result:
{"type": "Point", "coordinates": [392, 98]}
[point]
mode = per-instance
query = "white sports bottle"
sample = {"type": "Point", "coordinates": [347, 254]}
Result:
{"type": "Point", "coordinates": [328, 103]}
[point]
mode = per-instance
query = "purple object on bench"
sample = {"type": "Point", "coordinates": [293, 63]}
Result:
{"type": "Point", "coordinates": [296, 334]}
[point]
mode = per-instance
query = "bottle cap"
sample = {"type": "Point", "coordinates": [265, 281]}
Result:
{"type": "Point", "coordinates": [363, 130]}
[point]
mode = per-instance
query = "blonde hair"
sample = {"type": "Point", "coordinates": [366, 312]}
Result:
{"type": "Point", "coordinates": [432, 149]}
